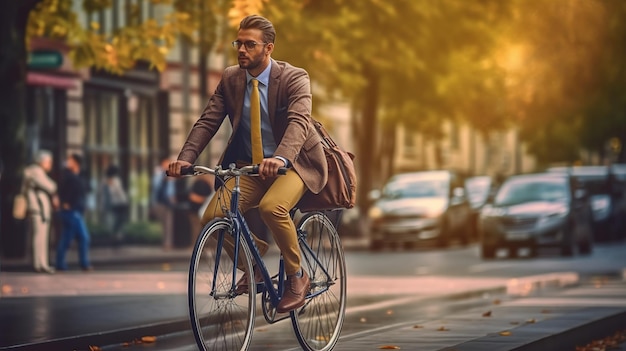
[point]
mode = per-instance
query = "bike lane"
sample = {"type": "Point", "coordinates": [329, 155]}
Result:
{"type": "Point", "coordinates": [75, 310]}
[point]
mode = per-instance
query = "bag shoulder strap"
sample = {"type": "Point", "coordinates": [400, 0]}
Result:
{"type": "Point", "coordinates": [326, 138]}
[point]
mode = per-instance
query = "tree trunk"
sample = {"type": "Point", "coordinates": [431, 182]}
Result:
{"type": "Point", "coordinates": [387, 152]}
{"type": "Point", "coordinates": [13, 19]}
{"type": "Point", "coordinates": [367, 140]}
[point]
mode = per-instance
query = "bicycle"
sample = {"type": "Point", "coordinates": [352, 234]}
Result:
{"type": "Point", "coordinates": [222, 319]}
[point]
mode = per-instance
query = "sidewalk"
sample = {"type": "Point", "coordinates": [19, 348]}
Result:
{"type": "Point", "coordinates": [133, 254]}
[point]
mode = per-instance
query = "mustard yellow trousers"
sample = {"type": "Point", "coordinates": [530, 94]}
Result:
{"type": "Point", "coordinates": [274, 197]}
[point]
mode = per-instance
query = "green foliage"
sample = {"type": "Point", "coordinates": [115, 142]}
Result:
{"type": "Point", "coordinates": [116, 50]}
{"type": "Point", "coordinates": [143, 232]}
{"type": "Point", "coordinates": [566, 89]}
{"type": "Point", "coordinates": [138, 232]}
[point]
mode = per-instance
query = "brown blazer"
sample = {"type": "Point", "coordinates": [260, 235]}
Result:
{"type": "Point", "coordinates": [289, 104]}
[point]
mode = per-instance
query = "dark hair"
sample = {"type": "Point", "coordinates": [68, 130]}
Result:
{"type": "Point", "coordinates": [261, 23]}
{"type": "Point", "coordinates": [77, 158]}
{"type": "Point", "coordinates": [112, 170]}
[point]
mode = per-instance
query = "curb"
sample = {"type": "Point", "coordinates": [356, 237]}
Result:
{"type": "Point", "coordinates": [83, 342]}
{"type": "Point", "coordinates": [525, 285]}
{"type": "Point", "coordinates": [566, 332]}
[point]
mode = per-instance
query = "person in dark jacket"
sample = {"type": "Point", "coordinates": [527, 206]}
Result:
{"type": "Point", "coordinates": [73, 196]}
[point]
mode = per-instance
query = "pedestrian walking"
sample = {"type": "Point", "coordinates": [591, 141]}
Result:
{"type": "Point", "coordinates": [41, 199]}
{"type": "Point", "coordinates": [114, 204]}
{"type": "Point", "coordinates": [73, 196]}
{"type": "Point", "coordinates": [200, 190]}
{"type": "Point", "coordinates": [163, 200]}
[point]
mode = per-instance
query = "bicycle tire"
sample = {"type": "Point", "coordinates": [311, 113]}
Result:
{"type": "Point", "coordinates": [318, 323]}
{"type": "Point", "coordinates": [220, 320]}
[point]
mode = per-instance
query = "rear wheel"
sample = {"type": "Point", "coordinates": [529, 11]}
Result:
{"type": "Point", "coordinates": [318, 323]}
{"type": "Point", "coordinates": [220, 319]}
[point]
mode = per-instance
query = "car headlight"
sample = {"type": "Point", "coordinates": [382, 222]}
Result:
{"type": "Point", "coordinates": [490, 211]}
{"type": "Point", "coordinates": [375, 212]}
{"type": "Point", "coordinates": [561, 212]}
{"type": "Point", "coordinates": [433, 213]}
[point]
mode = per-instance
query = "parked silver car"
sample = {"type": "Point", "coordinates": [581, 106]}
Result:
{"type": "Point", "coordinates": [536, 210]}
{"type": "Point", "coordinates": [418, 206]}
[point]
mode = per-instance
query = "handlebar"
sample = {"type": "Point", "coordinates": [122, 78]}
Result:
{"type": "Point", "coordinates": [251, 170]}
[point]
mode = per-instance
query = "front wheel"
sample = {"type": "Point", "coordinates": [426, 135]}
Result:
{"type": "Point", "coordinates": [220, 318]}
{"type": "Point", "coordinates": [318, 323]}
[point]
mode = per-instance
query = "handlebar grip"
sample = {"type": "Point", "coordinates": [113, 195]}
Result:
{"type": "Point", "coordinates": [281, 170]}
{"type": "Point", "coordinates": [183, 171]}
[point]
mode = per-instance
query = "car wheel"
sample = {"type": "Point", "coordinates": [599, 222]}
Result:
{"type": "Point", "coordinates": [567, 249]}
{"type": "Point", "coordinates": [567, 245]}
{"type": "Point", "coordinates": [487, 251]}
{"type": "Point", "coordinates": [376, 245]}
{"type": "Point", "coordinates": [585, 247]}
{"type": "Point", "coordinates": [444, 234]}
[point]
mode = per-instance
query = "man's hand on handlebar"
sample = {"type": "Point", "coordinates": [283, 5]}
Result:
{"type": "Point", "coordinates": [174, 169]}
{"type": "Point", "coordinates": [269, 167]}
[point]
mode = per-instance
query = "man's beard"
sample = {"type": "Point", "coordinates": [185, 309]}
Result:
{"type": "Point", "coordinates": [251, 64]}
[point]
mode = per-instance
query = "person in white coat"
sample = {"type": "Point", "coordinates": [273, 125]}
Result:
{"type": "Point", "coordinates": [42, 199]}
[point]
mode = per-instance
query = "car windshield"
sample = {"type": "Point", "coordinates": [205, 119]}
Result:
{"type": "Point", "coordinates": [520, 191]}
{"type": "Point", "coordinates": [478, 186]}
{"type": "Point", "coordinates": [415, 188]}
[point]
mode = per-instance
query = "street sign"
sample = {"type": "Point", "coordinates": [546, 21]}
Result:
{"type": "Point", "coordinates": [44, 59]}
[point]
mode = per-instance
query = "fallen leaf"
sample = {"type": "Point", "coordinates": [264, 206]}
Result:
{"type": "Point", "coordinates": [94, 348]}
{"type": "Point", "coordinates": [496, 301]}
{"type": "Point", "coordinates": [7, 289]}
{"type": "Point", "coordinates": [531, 321]}
{"type": "Point", "coordinates": [442, 328]}
{"type": "Point", "coordinates": [487, 314]}
{"type": "Point", "coordinates": [389, 347]}
{"type": "Point", "coordinates": [505, 333]}
{"type": "Point", "coordinates": [418, 326]}
{"type": "Point", "coordinates": [389, 312]}
{"type": "Point", "coordinates": [363, 320]}
{"type": "Point", "coordinates": [148, 339]}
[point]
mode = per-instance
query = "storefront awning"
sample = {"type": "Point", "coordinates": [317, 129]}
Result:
{"type": "Point", "coordinates": [37, 78]}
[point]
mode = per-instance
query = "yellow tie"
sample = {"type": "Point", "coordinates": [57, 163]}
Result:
{"type": "Point", "coordinates": [255, 123]}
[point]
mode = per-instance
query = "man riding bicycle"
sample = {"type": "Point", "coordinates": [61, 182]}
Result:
{"type": "Point", "coordinates": [268, 103]}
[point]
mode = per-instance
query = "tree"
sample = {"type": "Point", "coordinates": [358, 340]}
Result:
{"type": "Point", "coordinates": [393, 61]}
{"type": "Point", "coordinates": [567, 63]}
{"type": "Point", "coordinates": [13, 19]}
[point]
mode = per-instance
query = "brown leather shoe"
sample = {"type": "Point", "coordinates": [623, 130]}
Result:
{"type": "Point", "coordinates": [242, 285]}
{"type": "Point", "coordinates": [296, 290]}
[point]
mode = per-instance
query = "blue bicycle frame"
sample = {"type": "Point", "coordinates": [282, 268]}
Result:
{"type": "Point", "coordinates": [240, 228]}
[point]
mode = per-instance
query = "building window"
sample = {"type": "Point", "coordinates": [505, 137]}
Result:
{"type": "Point", "coordinates": [102, 142]}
